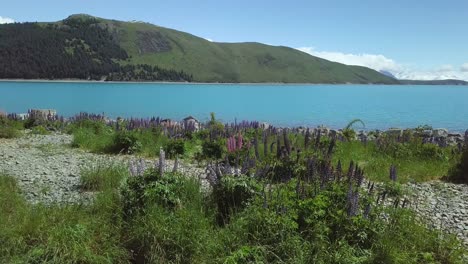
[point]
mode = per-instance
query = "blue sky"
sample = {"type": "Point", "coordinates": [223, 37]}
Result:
{"type": "Point", "coordinates": [412, 39]}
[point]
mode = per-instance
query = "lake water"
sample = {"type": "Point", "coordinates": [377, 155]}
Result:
{"type": "Point", "coordinates": [379, 106]}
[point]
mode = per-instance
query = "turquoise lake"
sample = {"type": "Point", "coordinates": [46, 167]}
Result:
{"type": "Point", "coordinates": [379, 106]}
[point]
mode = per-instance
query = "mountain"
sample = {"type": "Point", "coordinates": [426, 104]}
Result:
{"type": "Point", "coordinates": [387, 73]}
{"type": "Point", "coordinates": [434, 82]}
{"type": "Point", "coordinates": [87, 47]}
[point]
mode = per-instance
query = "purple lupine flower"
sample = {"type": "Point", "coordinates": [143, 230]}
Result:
{"type": "Point", "coordinates": [330, 148]}
{"type": "Point", "coordinates": [359, 177]}
{"type": "Point", "coordinates": [367, 210]}
{"type": "Point", "coordinates": [137, 168]}
{"type": "Point", "coordinates": [339, 171]}
{"type": "Point", "coordinates": [393, 173]}
{"type": "Point", "coordinates": [350, 171]}
{"type": "Point", "coordinates": [350, 200]}
{"type": "Point", "coordinates": [265, 143]}
{"type": "Point", "coordinates": [211, 175]}
{"type": "Point", "coordinates": [404, 203]}
{"type": "Point", "coordinates": [307, 138]}
{"type": "Point", "coordinates": [133, 168]}
{"type": "Point", "coordinates": [162, 161]}
{"type": "Point", "coordinates": [239, 141]}
{"type": "Point", "coordinates": [141, 167]}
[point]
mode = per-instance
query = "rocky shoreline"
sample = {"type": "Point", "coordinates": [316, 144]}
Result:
{"type": "Point", "coordinates": [48, 171]}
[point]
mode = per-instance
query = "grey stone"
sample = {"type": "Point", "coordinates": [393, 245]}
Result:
{"type": "Point", "coordinates": [396, 132]}
{"type": "Point", "coordinates": [440, 132]}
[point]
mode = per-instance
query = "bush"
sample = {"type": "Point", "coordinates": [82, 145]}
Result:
{"type": "Point", "coordinates": [151, 188]}
{"type": "Point", "coordinates": [125, 142]}
{"type": "Point", "coordinates": [175, 147]}
{"type": "Point", "coordinates": [232, 194]}
{"type": "Point", "coordinates": [431, 151]}
{"type": "Point", "coordinates": [213, 149]}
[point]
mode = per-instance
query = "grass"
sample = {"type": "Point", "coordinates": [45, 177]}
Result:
{"type": "Point", "coordinates": [9, 132]}
{"type": "Point", "coordinates": [102, 175]}
{"type": "Point", "coordinates": [49, 149]}
{"type": "Point", "coordinates": [185, 230]}
{"type": "Point", "coordinates": [415, 161]}
{"type": "Point", "coordinates": [411, 167]}
{"type": "Point", "coordinates": [57, 234]}
{"type": "Point", "coordinates": [86, 138]}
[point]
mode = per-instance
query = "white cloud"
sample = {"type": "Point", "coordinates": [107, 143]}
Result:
{"type": "Point", "coordinates": [464, 67]}
{"type": "Point", "coordinates": [379, 62]}
{"type": "Point", "coordinates": [210, 40]}
{"type": "Point", "coordinates": [6, 20]}
{"type": "Point", "coordinates": [432, 75]}
{"type": "Point", "coordinates": [445, 68]}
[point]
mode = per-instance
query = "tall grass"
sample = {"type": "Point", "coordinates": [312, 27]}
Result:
{"type": "Point", "coordinates": [102, 175]}
{"type": "Point", "coordinates": [412, 163]}
{"type": "Point", "coordinates": [56, 234]}
{"type": "Point", "coordinates": [10, 128]}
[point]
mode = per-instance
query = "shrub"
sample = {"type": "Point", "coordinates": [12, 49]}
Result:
{"type": "Point", "coordinates": [213, 149]}
{"type": "Point", "coordinates": [175, 147]}
{"type": "Point", "coordinates": [151, 188]}
{"type": "Point", "coordinates": [232, 195]}
{"type": "Point", "coordinates": [431, 151]}
{"type": "Point", "coordinates": [125, 142]}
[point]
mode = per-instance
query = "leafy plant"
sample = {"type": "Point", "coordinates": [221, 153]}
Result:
{"type": "Point", "coordinates": [175, 147]}
{"type": "Point", "coordinates": [213, 149]}
{"type": "Point", "coordinates": [125, 142]}
{"type": "Point", "coordinates": [231, 194]}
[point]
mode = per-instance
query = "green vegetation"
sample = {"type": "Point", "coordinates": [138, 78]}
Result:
{"type": "Point", "coordinates": [459, 172]}
{"type": "Point", "coordinates": [9, 128]}
{"type": "Point", "coordinates": [274, 196]}
{"type": "Point", "coordinates": [415, 161]}
{"type": "Point", "coordinates": [58, 234]}
{"type": "Point", "coordinates": [87, 47]}
{"type": "Point", "coordinates": [169, 219]}
{"type": "Point", "coordinates": [102, 176]}
{"type": "Point", "coordinates": [97, 137]}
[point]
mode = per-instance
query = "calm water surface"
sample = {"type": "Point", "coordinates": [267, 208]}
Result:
{"type": "Point", "coordinates": [380, 106]}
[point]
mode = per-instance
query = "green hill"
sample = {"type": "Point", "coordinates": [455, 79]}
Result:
{"type": "Point", "coordinates": [87, 47]}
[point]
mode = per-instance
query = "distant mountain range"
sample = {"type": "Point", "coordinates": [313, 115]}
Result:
{"type": "Point", "coordinates": [426, 82]}
{"type": "Point", "coordinates": [92, 48]}
{"type": "Point", "coordinates": [434, 82]}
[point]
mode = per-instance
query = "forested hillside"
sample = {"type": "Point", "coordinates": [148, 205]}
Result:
{"type": "Point", "coordinates": [86, 47]}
